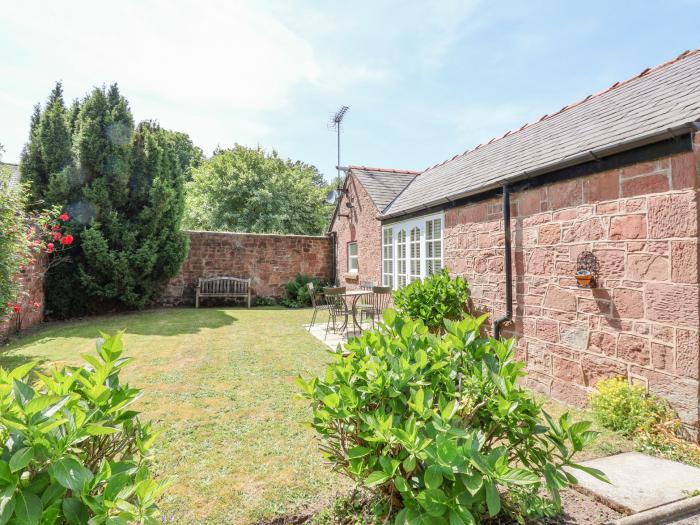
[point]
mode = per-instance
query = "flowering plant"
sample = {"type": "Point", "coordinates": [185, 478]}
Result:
{"type": "Point", "coordinates": [46, 235]}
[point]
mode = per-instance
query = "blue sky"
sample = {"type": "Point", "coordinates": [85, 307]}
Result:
{"type": "Point", "coordinates": [424, 80]}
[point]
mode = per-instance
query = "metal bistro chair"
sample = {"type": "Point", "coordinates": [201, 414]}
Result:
{"type": "Point", "coordinates": [316, 302]}
{"type": "Point", "coordinates": [338, 308]}
{"type": "Point", "coordinates": [378, 302]}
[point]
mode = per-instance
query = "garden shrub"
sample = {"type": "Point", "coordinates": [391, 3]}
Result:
{"type": "Point", "coordinates": [438, 425]}
{"type": "Point", "coordinates": [434, 299]}
{"type": "Point", "coordinates": [626, 408]}
{"type": "Point", "coordinates": [14, 244]}
{"type": "Point", "coordinates": [296, 293]}
{"type": "Point", "coordinates": [73, 449]}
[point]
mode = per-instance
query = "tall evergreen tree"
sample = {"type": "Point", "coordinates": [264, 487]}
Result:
{"type": "Point", "coordinates": [144, 244]}
{"type": "Point", "coordinates": [48, 151]}
{"type": "Point", "coordinates": [124, 191]}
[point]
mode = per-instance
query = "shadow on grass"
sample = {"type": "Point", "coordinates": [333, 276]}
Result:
{"type": "Point", "coordinates": [11, 361]}
{"type": "Point", "coordinates": [162, 322]}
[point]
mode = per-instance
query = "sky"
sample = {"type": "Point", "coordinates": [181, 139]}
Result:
{"type": "Point", "coordinates": [424, 80]}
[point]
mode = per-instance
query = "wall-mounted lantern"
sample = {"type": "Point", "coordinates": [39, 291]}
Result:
{"type": "Point", "coordinates": [586, 270]}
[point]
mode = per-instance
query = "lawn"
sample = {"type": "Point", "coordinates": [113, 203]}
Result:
{"type": "Point", "coordinates": [220, 385]}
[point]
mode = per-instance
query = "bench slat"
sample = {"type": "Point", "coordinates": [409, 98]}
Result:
{"type": "Point", "coordinates": [223, 287]}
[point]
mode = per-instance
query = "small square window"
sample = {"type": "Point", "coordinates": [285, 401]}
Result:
{"type": "Point", "coordinates": [353, 261]}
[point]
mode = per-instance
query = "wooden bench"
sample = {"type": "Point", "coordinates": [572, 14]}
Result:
{"type": "Point", "coordinates": [222, 287]}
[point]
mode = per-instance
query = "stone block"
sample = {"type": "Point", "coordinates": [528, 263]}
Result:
{"type": "Point", "coordinates": [627, 227]}
{"type": "Point", "coordinates": [560, 299]}
{"type": "Point", "coordinates": [647, 267]}
{"type": "Point", "coordinates": [645, 184]}
{"type": "Point", "coordinates": [628, 303]}
{"type": "Point", "coordinates": [602, 343]}
{"type": "Point", "coordinates": [672, 304]}
{"type": "Point", "coordinates": [684, 261]}
{"type": "Point", "coordinates": [567, 370]}
{"type": "Point", "coordinates": [633, 349]}
{"type": "Point", "coordinates": [596, 368]}
{"type": "Point", "coordinates": [687, 353]}
{"type": "Point", "coordinates": [673, 215]}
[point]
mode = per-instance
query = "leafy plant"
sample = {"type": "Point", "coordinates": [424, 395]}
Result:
{"type": "Point", "coordinates": [296, 292]}
{"type": "Point", "coordinates": [434, 299]}
{"type": "Point", "coordinates": [263, 300]}
{"type": "Point", "coordinates": [73, 450]}
{"type": "Point", "coordinates": [439, 426]}
{"type": "Point", "coordinates": [625, 407]}
{"type": "Point", "coordinates": [14, 243]}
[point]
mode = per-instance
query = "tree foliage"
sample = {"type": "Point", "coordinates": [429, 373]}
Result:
{"type": "Point", "coordinates": [244, 189]}
{"type": "Point", "coordinates": [123, 186]}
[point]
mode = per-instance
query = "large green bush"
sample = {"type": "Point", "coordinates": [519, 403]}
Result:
{"type": "Point", "coordinates": [123, 186]}
{"type": "Point", "coordinates": [440, 427]}
{"type": "Point", "coordinates": [434, 299]}
{"type": "Point", "coordinates": [73, 450]}
{"type": "Point", "coordinates": [296, 291]}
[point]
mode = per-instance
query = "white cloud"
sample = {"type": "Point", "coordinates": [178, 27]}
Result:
{"type": "Point", "coordinates": [216, 69]}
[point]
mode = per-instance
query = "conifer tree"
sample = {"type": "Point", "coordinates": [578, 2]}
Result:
{"type": "Point", "coordinates": [124, 191]}
{"type": "Point", "coordinates": [144, 244]}
{"type": "Point", "coordinates": [48, 151]}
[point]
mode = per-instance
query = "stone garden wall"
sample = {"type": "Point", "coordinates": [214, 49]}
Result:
{"type": "Point", "coordinates": [31, 291]}
{"type": "Point", "coordinates": [270, 260]}
{"type": "Point", "coordinates": [641, 321]}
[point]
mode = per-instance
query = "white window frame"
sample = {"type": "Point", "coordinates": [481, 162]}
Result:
{"type": "Point", "coordinates": [388, 256]}
{"type": "Point", "coordinates": [402, 254]}
{"type": "Point", "coordinates": [353, 258]}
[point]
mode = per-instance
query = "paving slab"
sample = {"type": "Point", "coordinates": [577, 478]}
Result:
{"type": "Point", "coordinates": [639, 482]}
{"type": "Point", "coordinates": [331, 339]}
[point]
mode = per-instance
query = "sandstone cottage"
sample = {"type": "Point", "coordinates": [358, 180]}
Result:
{"type": "Point", "coordinates": [609, 182]}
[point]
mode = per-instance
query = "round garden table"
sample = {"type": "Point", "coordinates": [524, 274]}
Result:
{"type": "Point", "coordinates": [354, 296]}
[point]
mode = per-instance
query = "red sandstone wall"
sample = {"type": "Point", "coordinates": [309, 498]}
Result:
{"type": "Point", "coordinates": [361, 226]}
{"type": "Point", "coordinates": [270, 260]}
{"type": "Point", "coordinates": [31, 291]}
{"type": "Point", "coordinates": [641, 322]}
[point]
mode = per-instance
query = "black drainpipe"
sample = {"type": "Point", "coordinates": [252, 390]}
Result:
{"type": "Point", "coordinates": [507, 264]}
{"type": "Point", "coordinates": [334, 249]}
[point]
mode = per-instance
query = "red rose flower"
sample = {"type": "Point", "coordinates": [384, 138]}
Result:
{"type": "Point", "coordinates": [16, 308]}
{"type": "Point", "coordinates": [49, 248]}
{"type": "Point", "coordinates": [63, 216]}
{"type": "Point", "coordinates": [56, 236]}
{"type": "Point", "coordinates": [55, 227]}
{"type": "Point", "coordinates": [67, 240]}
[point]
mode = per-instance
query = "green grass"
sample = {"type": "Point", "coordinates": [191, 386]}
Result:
{"type": "Point", "coordinates": [220, 385]}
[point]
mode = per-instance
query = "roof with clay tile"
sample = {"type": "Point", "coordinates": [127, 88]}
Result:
{"type": "Point", "coordinates": [649, 107]}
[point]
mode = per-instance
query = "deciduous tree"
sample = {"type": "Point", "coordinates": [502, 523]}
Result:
{"type": "Point", "coordinates": [244, 189]}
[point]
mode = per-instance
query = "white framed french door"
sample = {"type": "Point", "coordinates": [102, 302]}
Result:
{"type": "Point", "coordinates": [411, 250]}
